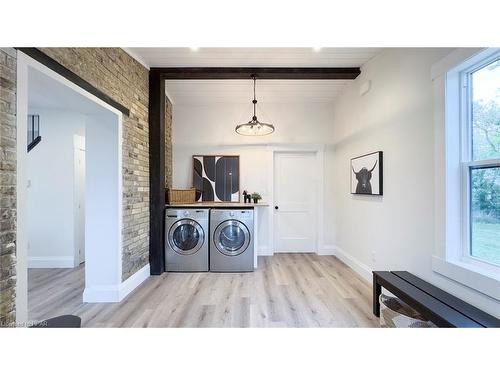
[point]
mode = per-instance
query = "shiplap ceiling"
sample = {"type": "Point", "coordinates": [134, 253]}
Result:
{"type": "Point", "coordinates": [253, 57]}
{"type": "Point", "coordinates": [240, 91]}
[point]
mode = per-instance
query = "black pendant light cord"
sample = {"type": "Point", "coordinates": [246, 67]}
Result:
{"type": "Point", "coordinates": [254, 99]}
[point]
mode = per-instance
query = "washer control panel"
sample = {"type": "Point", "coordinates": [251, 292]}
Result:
{"type": "Point", "coordinates": [187, 213]}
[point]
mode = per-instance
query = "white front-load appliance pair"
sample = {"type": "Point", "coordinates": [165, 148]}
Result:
{"type": "Point", "coordinates": [216, 240]}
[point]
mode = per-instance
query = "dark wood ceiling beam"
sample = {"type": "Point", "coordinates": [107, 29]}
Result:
{"type": "Point", "coordinates": [262, 73]}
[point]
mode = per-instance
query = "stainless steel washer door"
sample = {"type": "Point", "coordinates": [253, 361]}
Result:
{"type": "Point", "coordinates": [186, 237]}
{"type": "Point", "coordinates": [231, 237]}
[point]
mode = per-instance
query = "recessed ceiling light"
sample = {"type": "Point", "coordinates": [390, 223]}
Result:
{"type": "Point", "coordinates": [317, 49]}
{"type": "Point", "coordinates": [194, 49]}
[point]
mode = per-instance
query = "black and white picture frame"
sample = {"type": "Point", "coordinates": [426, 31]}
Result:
{"type": "Point", "coordinates": [367, 174]}
{"type": "Point", "coordinates": [216, 178]}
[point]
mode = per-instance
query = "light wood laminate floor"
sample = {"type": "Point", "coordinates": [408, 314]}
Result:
{"type": "Point", "coordinates": [287, 290]}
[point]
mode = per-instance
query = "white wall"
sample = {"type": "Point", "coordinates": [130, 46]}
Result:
{"type": "Point", "coordinates": [209, 129]}
{"type": "Point", "coordinates": [103, 223]}
{"type": "Point", "coordinates": [396, 231]}
{"type": "Point", "coordinates": [50, 197]}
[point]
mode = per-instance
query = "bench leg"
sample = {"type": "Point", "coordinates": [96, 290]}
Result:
{"type": "Point", "coordinates": [377, 291]}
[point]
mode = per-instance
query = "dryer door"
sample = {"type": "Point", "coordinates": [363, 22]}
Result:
{"type": "Point", "coordinates": [231, 237]}
{"type": "Point", "coordinates": [186, 237]}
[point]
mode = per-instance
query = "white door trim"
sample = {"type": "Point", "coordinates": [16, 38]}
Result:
{"type": "Point", "coordinates": [319, 151]}
{"type": "Point", "coordinates": [78, 145]}
{"type": "Point", "coordinates": [24, 62]}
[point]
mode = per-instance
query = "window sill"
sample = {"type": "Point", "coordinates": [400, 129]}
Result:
{"type": "Point", "coordinates": [469, 275]}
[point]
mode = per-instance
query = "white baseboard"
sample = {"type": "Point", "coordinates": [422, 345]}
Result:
{"type": "Point", "coordinates": [265, 251]}
{"type": "Point", "coordinates": [51, 262]}
{"type": "Point", "coordinates": [101, 293]}
{"type": "Point", "coordinates": [116, 293]}
{"type": "Point", "coordinates": [134, 281]}
{"type": "Point", "coordinates": [360, 268]}
{"type": "Point", "coordinates": [327, 250]}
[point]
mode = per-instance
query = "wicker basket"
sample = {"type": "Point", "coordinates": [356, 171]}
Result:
{"type": "Point", "coordinates": [394, 313]}
{"type": "Point", "coordinates": [181, 196]}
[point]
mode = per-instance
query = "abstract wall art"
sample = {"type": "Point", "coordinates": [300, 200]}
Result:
{"type": "Point", "coordinates": [216, 178]}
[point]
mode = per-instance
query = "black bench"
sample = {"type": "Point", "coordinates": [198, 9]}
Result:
{"type": "Point", "coordinates": [441, 308]}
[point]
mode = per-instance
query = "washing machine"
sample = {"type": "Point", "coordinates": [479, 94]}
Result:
{"type": "Point", "coordinates": [186, 240]}
{"type": "Point", "coordinates": [231, 240]}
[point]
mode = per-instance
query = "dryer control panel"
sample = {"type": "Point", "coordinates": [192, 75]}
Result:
{"type": "Point", "coordinates": [238, 214]}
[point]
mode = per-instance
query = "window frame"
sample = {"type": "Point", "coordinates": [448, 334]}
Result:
{"type": "Point", "coordinates": [447, 259]}
{"type": "Point", "coordinates": [468, 164]}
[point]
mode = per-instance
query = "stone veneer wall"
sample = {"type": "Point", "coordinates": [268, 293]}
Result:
{"type": "Point", "coordinates": [8, 130]}
{"type": "Point", "coordinates": [168, 143]}
{"type": "Point", "coordinates": [118, 75]}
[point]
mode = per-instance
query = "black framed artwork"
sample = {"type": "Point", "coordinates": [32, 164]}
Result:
{"type": "Point", "coordinates": [367, 174]}
{"type": "Point", "coordinates": [216, 178]}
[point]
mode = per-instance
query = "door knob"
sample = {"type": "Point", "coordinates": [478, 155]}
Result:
{"type": "Point", "coordinates": [276, 207]}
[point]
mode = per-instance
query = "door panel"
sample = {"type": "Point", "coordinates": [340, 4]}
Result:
{"type": "Point", "coordinates": [295, 195]}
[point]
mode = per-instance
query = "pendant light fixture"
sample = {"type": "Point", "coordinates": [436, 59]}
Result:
{"type": "Point", "coordinates": [254, 126]}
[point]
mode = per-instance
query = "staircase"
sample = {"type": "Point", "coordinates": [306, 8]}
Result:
{"type": "Point", "coordinates": [34, 137]}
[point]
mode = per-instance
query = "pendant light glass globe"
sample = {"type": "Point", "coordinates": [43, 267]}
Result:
{"type": "Point", "coordinates": [254, 126]}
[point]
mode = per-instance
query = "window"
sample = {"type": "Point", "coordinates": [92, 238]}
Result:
{"type": "Point", "coordinates": [466, 86]}
{"type": "Point", "coordinates": [480, 150]}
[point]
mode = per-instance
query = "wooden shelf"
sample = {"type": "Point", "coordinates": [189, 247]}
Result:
{"type": "Point", "coordinates": [219, 204]}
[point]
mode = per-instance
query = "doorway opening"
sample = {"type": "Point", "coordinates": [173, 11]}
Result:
{"type": "Point", "coordinates": [69, 196]}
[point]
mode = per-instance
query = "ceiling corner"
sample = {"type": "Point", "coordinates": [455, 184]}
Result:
{"type": "Point", "coordinates": [136, 57]}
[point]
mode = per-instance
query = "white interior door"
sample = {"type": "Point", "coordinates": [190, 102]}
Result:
{"type": "Point", "coordinates": [79, 203]}
{"type": "Point", "coordinates": [295, 202]}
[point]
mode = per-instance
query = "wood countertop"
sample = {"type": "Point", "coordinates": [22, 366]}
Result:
{"type": "Point", "coordinates": [218, 204]}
